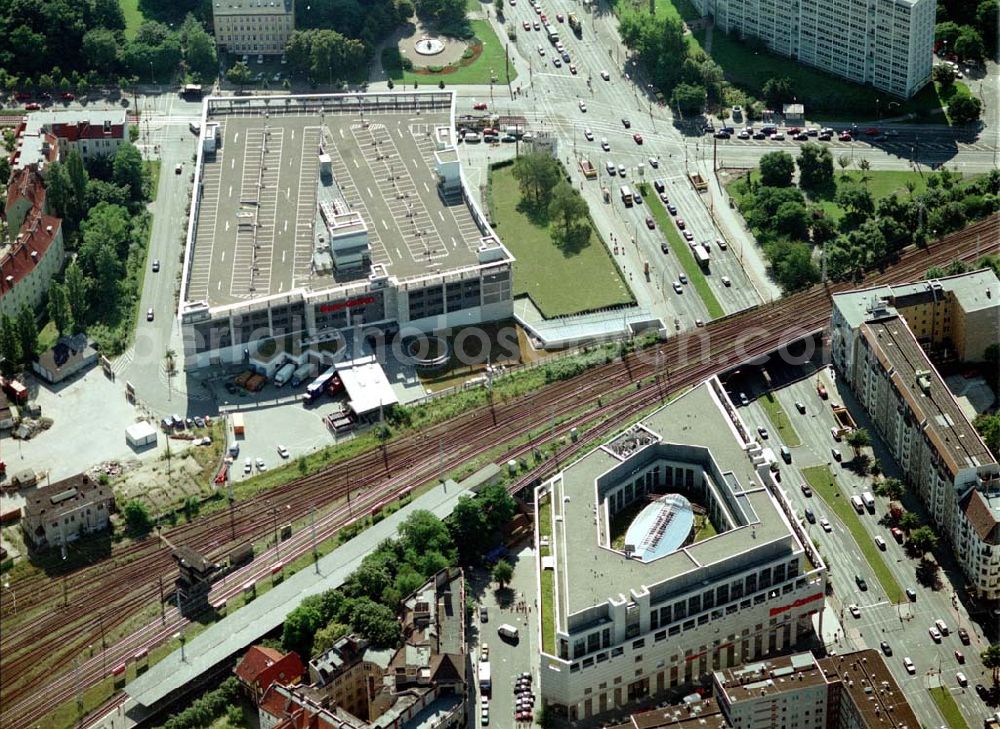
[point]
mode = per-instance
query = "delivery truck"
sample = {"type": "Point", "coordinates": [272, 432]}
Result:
{"type": "Point", "coordinates": [303, 372]}
{"type": "Point", "coordinates": [284, 374]}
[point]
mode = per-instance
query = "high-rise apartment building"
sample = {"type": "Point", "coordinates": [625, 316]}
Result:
{"type": "Point", "coordinates": [885, 43]}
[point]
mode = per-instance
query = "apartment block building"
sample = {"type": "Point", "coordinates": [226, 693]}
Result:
{"type": "Point", "coordinates": [253, 27]}
{"type": "Point", "coordinates": [878, 343]}
{"type": "Point", "coordinates": [885, 43]}
{"type": "Point", "coordinates": [49, 135]}
{"type": "Point", "coordinates": [675, 600]}
{"type": "Point", "coordinates": [35, 252]}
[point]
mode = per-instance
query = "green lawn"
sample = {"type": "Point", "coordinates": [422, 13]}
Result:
{"type": "Point", "coordinates": [948, 708]}
{"type": "Point", "coordinates": [825, 96]}
{"type": "Point", "coordinates": [48, 336]}
{"type": "Point", "coordinates": [489, 63]}
{"type": "Point", "coordinates": [679, 248]}
{"type": "Point", "coordinates": [548, 612]}
{"type": "Point", "coordinates": [559, 283]}
{"type": "Point", "coordinates": [133, 16]}
{"type": "Point", "coordinates": [881, 183]}
{"type": "Point", "coordinates": [154, 178]}
{"type": "Point", "coordinates": [779, 419]}
{"type": "Point", "coordinates": [825, 486]}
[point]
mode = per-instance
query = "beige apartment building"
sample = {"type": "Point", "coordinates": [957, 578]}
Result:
{"type": "Point", "coordinates": [253, 27]}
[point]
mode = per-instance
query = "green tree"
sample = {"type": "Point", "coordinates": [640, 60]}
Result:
{"type": "Point", "coordinates": [27, 334]}
{"type": "Point", "coordinates": [199, 49]}
{"type": "Point", "coordinates": [792, 219]}
{"type": "Point", "coordinates": [947, 32]}
{"type": "Point", "coordinates": [376, 623]}
{"type": "Point", "coordinates": [566, 206]}
{"type": "Point", "coordinates": [990, 656]}
{"type": "Point", "coordinates": [498, 505]}
{"type": "Point", "coordinates": [502, 573]}
{"type": "Point", "coordinates": [856, 200]}
{"type": "Point", "coordinates": [689, 98]}
{"type": "Point", "coordinates": [987, 21]}
{"type": "Point", "coordinates": [965, 109]}
{"type": "Point", "coordinates": [988, 426]}
{"type": "Point", "coordinates": [327, 636]}
{"type": "Point", "coordinates": [777, 91]}
{"type": "Point", "coordinates": [776, 169]}
{"type": "Point", "coordinates": [100, 48]}
{"type": "Point", "coordinates": [969, 45]}
{"type": "Point", "coordinates": [128, 171]}
{"type": "Point", "coordinates": [815, 167]}
{"type": "Point", "coordinates": [843, 161]}
{"type": "Point", "coordinates": [300, 626]}
{"type": "Point", "coordinates": [77, 176]}
{"type": "Point", "coordinates": [10, 345]}
{"type": "Point", "coordinates": [858, 439]}
{"type": "Point", "coordinates": [58, 190]}
{"type": "Point", "coordinates": [922, 540]}
{"type": "Point", "coordinates": [137, 518]}
{"type": "Point", "coordinates": [909, 521]}
{"type": "Point", "coordinates": [239, 75]}
{"type": "Point", "coordinates": [4, 170]}
{"type": "Point", "coordinates": [536, 174]}
{"type": "Point", "coordinates": [944, 75]}
{"type": "Point", "coordinates": [890, 488]}
{"type": "Point", "coordinates": [823, 229]}
{"type": "Point", "coordinates": [423, 532]}
{"type": "Point", "coordinates": [865, 166]}
{"type": "Point", "coordinates": [659, 42]}
{"type": "Point", "coordinates": [76, 295]}
{"type": "Point", "coordinates": [59, 309]}
{"type": "Point", "coordinates": [793, 265]}
{"type": "Point", "coordinates": [467, 524]}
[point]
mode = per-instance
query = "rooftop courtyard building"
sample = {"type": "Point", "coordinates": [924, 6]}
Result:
{"type": "Point", "coordinates": [669, 553]}
{"type": "Point", "coordinates": [879, 343]}
{"type": "Point", "coordinates": [315, 217]}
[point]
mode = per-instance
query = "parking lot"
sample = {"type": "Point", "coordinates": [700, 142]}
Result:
{"type": "Point", "coordinates": [508, 659]}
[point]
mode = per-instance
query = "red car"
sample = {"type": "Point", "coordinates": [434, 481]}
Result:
{"type": "Point", "coordinates": [527, 25]}
{"type": "Point", "coordinates": [559, 17]}
{"type": "Point", "coordinates": [33, 106]}
{"type": "Point", "coordinates": [479, 106]}
{"type": "Point", "coordinates": [845, 137]}
{"type": "Point", "coordinates": [680, 223]}
{"type": "Point", "coordinates": [543, 18]}
{"type": "Point", "coordinates": [67, 96]}
{"type": "Point", "coordinates": [637, 137]}
{"type": "Point", "coordinates": [572, 69]}
{"type": "Point", "coordinates": [649, 223]}
{"type": "Point", "coordinates": [897, 534]}
{"type": "Point", "coordinates": [794, 130]}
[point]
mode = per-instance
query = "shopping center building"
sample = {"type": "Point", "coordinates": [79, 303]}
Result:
{"type": "Point", "coordinates": [317, 218]}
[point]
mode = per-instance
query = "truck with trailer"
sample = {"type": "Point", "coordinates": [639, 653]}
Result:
{"type": "Point", "coordinates": [284, 374]}
{"type": "Point", "coordinates": [239, 428]}
{"type": "Point", "coordinates": [869, 501]}
{"type": "Point", "coordinates": [575, 24]}
{"type": "Point", "coordinates": [552, 34]}
{"type": "Point", "coordinates": [588, 169]}
{"type": "Point", "coordinates": [700, 255]}
{"type": "Point", "coordinates": [303, 372]}
{"type": "Point", "coordinates": [698, 182]}
{"type": "Point", "coordinates": [627, 197]}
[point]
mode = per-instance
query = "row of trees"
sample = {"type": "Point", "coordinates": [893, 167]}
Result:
{"type": "Point", "coordinates": [547, 196]}
{"type": "Point", "coordinates": [789, 219]}
{"type": "Point", "coordinates": [368, 601]}
{"type": "Point", "coordinates": [967, 28]}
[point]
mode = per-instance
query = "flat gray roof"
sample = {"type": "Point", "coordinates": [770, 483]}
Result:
{"type": "Point", "coordinates": [974, 291]}
{"type": "Point", "coordinates": [258, 223]}
{"type": "Point", "coordinates": [589, 575]}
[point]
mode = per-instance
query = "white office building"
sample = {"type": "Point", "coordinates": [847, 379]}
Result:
{"type": "Point", "coordinates": [670, 552]}
{"type": "Point", "coordinates": [885, 43]}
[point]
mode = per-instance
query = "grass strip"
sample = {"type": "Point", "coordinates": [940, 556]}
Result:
{"type": "Point", "coordinates": [679, 247]}
{"type": "Point", "coordinates": [780, 420]}
{"type": "Point", "coordinates": [548, 612]}
{"type": "Point", "coordinates": [824, 484]}
{"type": "Point", "coordinates": [948, 708]}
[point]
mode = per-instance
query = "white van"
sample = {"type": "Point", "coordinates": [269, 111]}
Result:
{"type": "Point", "coordinates": [880, 543]}
{"type": "Point", "coordinates": [858, 504]}
{"type": "Point", "coordinates": [942, 626]}
{"type": "Point", "coordinates": [508, 631]}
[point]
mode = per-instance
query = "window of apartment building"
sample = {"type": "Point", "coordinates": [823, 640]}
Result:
{"type": "Point", "coordinates": [638, 658]}
{"type": "Point", "coordinates": [574, 668]}
{"type": "Point", "coordinates": [694, 604]}
{"type": "Point", "coordinates": [601, 686]}
{"type": "Point", "coordinates": [665, 615]}
{"type": "Point", "coordinates": [758, 599]}
{"type": "Point", "coordinates": [674, 630]}
{"type": "Point", "coordinates": [588, 662]}
{"type": "Point", "coordinates": [636, 644]}
{"type": "Point", "coordinates": [615, 652]}
{"type": "Point", "coordinates": [578, 648]}
{"type": "Point", "coordinates": [737, 588]}
{"type": "Point", "coordinates": [662, 635]}
{"type": "Point", "coordinates": [708, 600]}
{"type": "Point", "coordinates": [744, 604]}
{"type": "Point", "coordinates": [593, 642]}
{"type": "Point", "coordinates": [654, 619]}
{"type": "Point", "coordinates": [722, 594]}
{"type": "Point", "coordinates": [702, 619]}
{"type": "Point", "coordinates": [605, 637]}
{"type": "Point", "coordinates": [730, 609]}
{"type": "Point", "coordinates": [751, 583]}
{"type": "Point", "coordinates": [688, 625]}
{"type": "Point", "coordinates": [787, 588]}
{"type": "Point", "coordinates": [602, 657]}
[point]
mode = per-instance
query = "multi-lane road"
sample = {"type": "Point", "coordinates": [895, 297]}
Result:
{"type": "Point", "coordinates": [903, 626]}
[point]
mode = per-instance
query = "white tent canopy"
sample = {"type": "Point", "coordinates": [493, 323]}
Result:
{"type": "Point", "coordinates": [366, 385]}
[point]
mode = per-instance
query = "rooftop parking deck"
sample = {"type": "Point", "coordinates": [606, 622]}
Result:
{"type": "Point", "coordinates": [257, 221]}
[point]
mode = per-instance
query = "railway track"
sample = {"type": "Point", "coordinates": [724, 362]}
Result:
{"type": "Point", "coordinates": [131, 583]}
